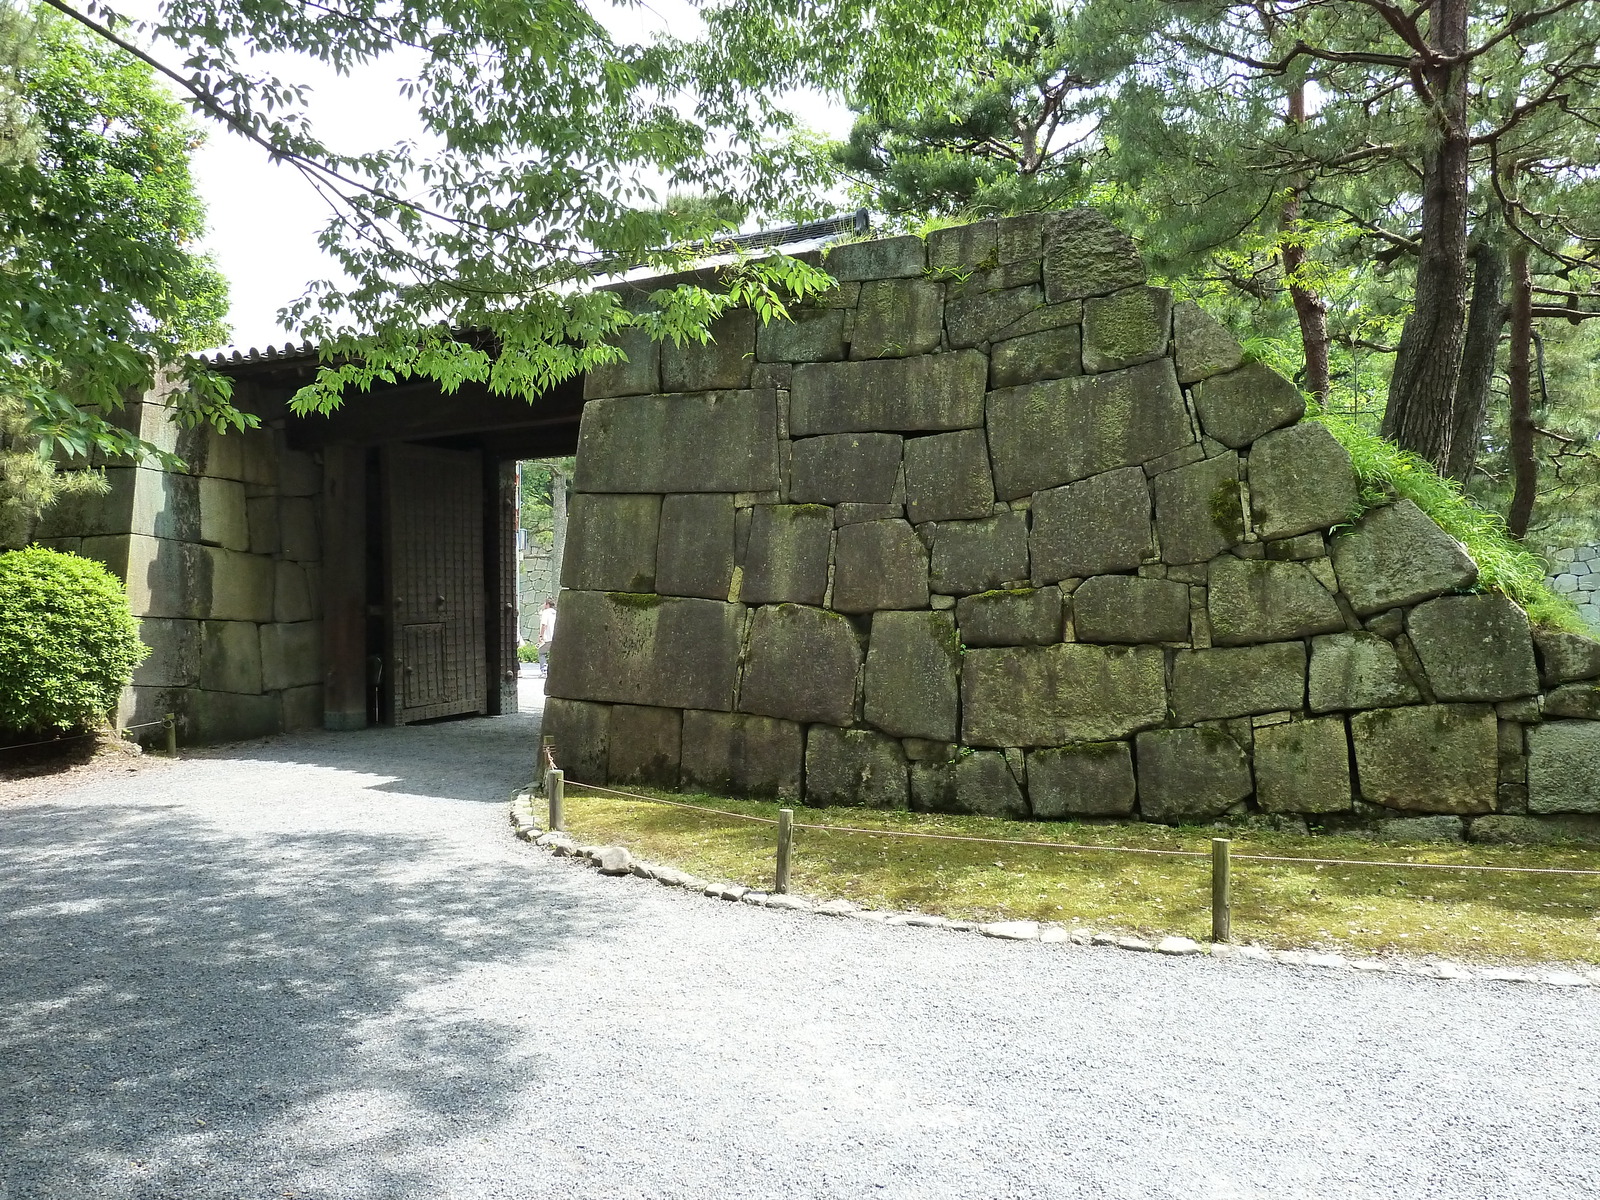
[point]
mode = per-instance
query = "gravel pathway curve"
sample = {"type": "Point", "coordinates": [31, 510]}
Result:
{"type": "Point", "coordinates": [321, 968]}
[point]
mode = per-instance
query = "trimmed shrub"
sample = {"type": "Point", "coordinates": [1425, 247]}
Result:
{"type": "Point", "coordinates": [528, 652]}
{"type": "Point", "coordinates": [68, 642]}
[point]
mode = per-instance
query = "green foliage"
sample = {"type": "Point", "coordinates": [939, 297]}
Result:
{"type": "Point", "coordinates": [102, 288]}
{"type": "Point", "coordinates": [30, 482]}
{"type": "Point", "coordinates": [539, 478]}
{"type": "Point", "coordinates": [68, 642]}
{"type": "Point", "coordinates": [1386, 472]}
{"type": "Point", "coordinates": [527, 652]}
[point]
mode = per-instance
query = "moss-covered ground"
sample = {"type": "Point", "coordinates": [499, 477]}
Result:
{"type": "Point", "coordinates": [1462, 915]}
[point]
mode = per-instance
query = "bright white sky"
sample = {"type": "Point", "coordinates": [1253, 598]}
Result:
{"type": "Point", "coordinates": [264, 218]}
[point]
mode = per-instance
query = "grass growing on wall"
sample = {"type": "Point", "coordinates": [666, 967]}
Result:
{"type": "Point", "coordinates": [1504, 564]}
{"type": "Point", "coordinates": [1358, 910]}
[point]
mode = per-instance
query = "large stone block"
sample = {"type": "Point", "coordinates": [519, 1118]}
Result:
{"type": "Point", "coordinates": [1017, 617]}
{"type": "Point", "coordinates": [695, 554]}
{"type": "Point", "coordinates": [1099, 525]}
{"type": "Point", "coordinates": [947, 477]}
{"type": "Point", "coordinates": [243, 586]}
{"type": "Point", "coordinates": [1254, 600]}
{"type": "Point", "coordinates": [854, 767]}
{"type": "Point", "coordinates": [1214, 685]}
{"type": "Point", "coordinates": [297, 529]}
{"type": "Point", "coordinates": [1042, 435]}
{"type": "Point", "coordinates": [636, 373]}
{"type": "Point", "coordinates": [260, 456]}
{"type": "Point", "coordinates": [878, 565]}
{"type": "Point", "coordinates": [898, 318]}
{"type": "Point", "coordinates": [1300, 479]}
{"type": "Point", "coordinates": [644, 746]}
{"type": "Point", "coordinates": [740, 755]}
{"type": "Point", "coordinates": [1048, 354]}
{"type": "Point", "coordinates": [1573, 700]}
{"type": "Point", "coordinates": [1543, 830]}
{"type": "Point", "coordinates": [1086, 255]}
{"type": "Point", "coordinates": [1091, 779]}
{"type": "Point", "coordinates": [1126, 328]}
{"type": "Point", "coordinates": [230, 657]}
{"type": "Point", "coordinates": [174, 659]}
{"type": "Point", "coordinates": [1358, 670]}
{"type": "Point", "coordinates": [702, 442]}
{"type": "Point", "coordinates": [261, 513]}
{"type": "Point", "coordinates": [223, 518]}
{"type": "Point", "coordinates": [1561, 767]}
{"type": "Point", "coordinates": [164, 578]}
{"type": "Point", "coordinates": [885, 258]}
{"type": "Point", "coordinates": [1127, 608]}
{"type": "Point", "coordinates": [801, 664]}
{"type": "Point", "coordinates": [786, 558]}
{"type": "Point", "coordinates": [291, 655]}
{"type": "Point", "coordinates": [611, 543]}
{"type": "Point", "coordinates": [980, 782]}
{"type": "Point", "coordinates": [302, 708]}
{"type": "Point", "coordinates": [808, 335]}
{"type": "Point", "coordinates": [299, 472]}
{"type": "Point", "coordinates": [723, 363]}
{"type": "Point", "coordinates": [845, 468]}
{"type": "Point", "coordinates": [1190, 774]}
{"type": "Point", "coordinates": [1564, 657]}
{"type": "Point", "coordinates": [930, 392]}
{"type": "Point", "coordinates": [1396, 555]}
{"type": "Point", "coordinates": [292, 597]}
{"type": "Point", "coordinates": [1052, 695]}
{"type": "Point", "coordinates": [665, 651]}
{"type": "Point", "coordinates": [1303, 767]}
{"type": "Point", "coordinates": [963, 248]}
{"type": "Point", "coordinates": [913, 674]}
{"type": "Point", "coordinates": [1199, 514]}
{"type": "Point", "coordinates": [975, 556]}
{"type": "Point", "coordinates": [580, 735]}
{"type": "Point", "coordinates": [1202, 344]}
{"type": "Point", "coordinates": [976, 314]}
{"type": "Point", "coordinates": [113, 511]}
{"type": "Point", "coordinates": [1439, 758]}
{"type": "Point", "coordinates": [231, 717]}
{"type": "Point", "coordinates": [1240, 406]}
{"type": "Point", "coordinates": [1474, 647]}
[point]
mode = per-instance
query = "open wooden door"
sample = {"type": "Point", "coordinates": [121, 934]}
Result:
{"type": "Point", "coordinates": [434, 518]}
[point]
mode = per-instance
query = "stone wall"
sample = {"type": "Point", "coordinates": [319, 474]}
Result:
{"type": "Point", "coordinates": [998, 528]}
{"type": "Point", "coordinates": [1575, 573]}
{"type": "Point", "coordinates": [222, 564]}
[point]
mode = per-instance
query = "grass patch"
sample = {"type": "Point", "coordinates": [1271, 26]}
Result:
{"type": "Point", "coordinates": [1504, 564]}
{"type": "Point", "coordinates": [1357, 910]}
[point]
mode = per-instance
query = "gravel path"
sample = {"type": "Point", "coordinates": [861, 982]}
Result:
{"type": "Point", "coordinates": [322, 968]}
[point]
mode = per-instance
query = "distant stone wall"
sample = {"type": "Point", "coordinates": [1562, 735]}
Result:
{"type": "Point", "coordinates": [222, 565]}
{"type": "Point", "coordinates": [997, 528]}
{"type": "Point", "coordinates": [1576, 574]}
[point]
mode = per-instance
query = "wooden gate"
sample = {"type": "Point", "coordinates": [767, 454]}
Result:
{"type": "Point", "coordinates": [437, 657]}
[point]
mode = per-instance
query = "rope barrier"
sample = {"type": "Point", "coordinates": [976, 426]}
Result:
{"type": "Point", "coordinates": [79, 736]}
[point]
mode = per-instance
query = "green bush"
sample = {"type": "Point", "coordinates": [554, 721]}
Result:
{"type": "Point", "coordinates": [527, 652]}
{"type": "Point", "coordinates": [68, 642]}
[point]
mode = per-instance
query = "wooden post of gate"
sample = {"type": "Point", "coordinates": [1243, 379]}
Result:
{"type": "Point", "coordinates": [169, 722]}
{"type": "Point", "coordinates": [785, 844]}
{"type": "Point", "coordinates": [1221, 885]}
{"type": "Point", "coordinates": [555, 787]}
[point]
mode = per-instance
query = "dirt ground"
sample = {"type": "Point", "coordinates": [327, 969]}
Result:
{"type": "Point", "coordinates": [40, 771]}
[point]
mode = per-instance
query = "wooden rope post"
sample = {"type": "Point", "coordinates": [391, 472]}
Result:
{"type": "Point", "coordinates": [170, 723]}
{"type": "Point", "coordinates": [785, 845]}
{"type": "Point", "coordinates": [555, 787]}
{"type": "Point", "coordinates": [1221, 890]}
{"type": "Point", "coordinates": [546, 757]}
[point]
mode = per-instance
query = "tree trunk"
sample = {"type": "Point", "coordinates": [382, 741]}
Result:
{"type": "Point", "coordinates": [1308, 305]}
{"type": "Point", "coordinates": [1519, 377]}
{"type": "Point", "coordinates": [1484, 321]}
{"type": "Point", "coordinates": [1420, 415]}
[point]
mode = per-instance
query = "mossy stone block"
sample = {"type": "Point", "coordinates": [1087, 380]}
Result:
{"type": "Point", "coordinates": [879, 565]}
{"type": "Point", "coordinates": [636, 373]}
{"type": "Point", "coordinates": [883, 258]}
{"type": "Point", "coordinates": [694, 556]}
{"type": "Point", "coordinates": [722, 363]}
{"type": "Point", "coordinates": [242, 586]}
{"type": "Point", "coordinates": [801, 664]}
{"type": "Point", "coordinates": [1093, 527]}
{"type": "Point", "coordinates": [978, 782]}
{"type": "Point", "coordinates": [947, 477]}
{"type": "Point", "coordinates": [1086, 255]}
{"type": "Point", "coordinates": [1300, 479]}
{"type": "Point", "coordinates": [964, 248]}
{"type": "Point", "coordinates": [644, 745]}
{"type": "Point", "coordinates": [976, 556]}
{"type": "Point", "coordinates": [1303, 767]}
{"type": "Point", "coordinates": [1126, 328]}
{"type": "Point", "coordinates": [1580, 700]}
{"type": "Point", "coordinates": [1190, 774]}
{"type": "Point", "coordinates": [1202, 344]}
{"type": "Point", "coordinates": [174, 659]}
{"type": "Point", "coordinates": [898, 318]}
{"type": "Point", "coordinates": [230, 657]}
{"type": "Point", "coordinates": [581, 735]}
{"type": "Point", "coordinates": [1435, 758]}
{"type": "Point", "coordinates": [291, 655]}
{"type": "Point", "coordinates": [1048, 354]}
{"type": "Point", "coordinates": [738, 754]}
{"type": "Point", "coordinates": [1045, 434]}
{"type": "Point", "coordinates": [976, 314]}
{"type": "Point", "coordinates": [1253, 600]}
{"type": "Point", "coordinates": [1564, 657]}
{"type": "Point", "coordinates": [1474, 647]}
{"type": "Point", "coordinates": [1396, 555]}
{"type": "Point", "coordinates": [1090, 779]}
{"type": "Point", "coordinates": [786, 558]}
{"type": "Point", "coordinates": [224, 519]}
{"type": "Point", "coordinates": [854, 768]}
{"type": "Point", "coordinates": [845, 468]}
{"type": "Point", "coordinates": [1021, 617]}
{"type": "Point", "coordinates": [1052, 695]}
{"type": "Point", "coordinates": [611, 543]}
{"type": "Point", "coordinates": [700, 442]}
{"type": "Point", "coordinates": [1199, 513]}
{"type": "Point", "coordinates": [1218, 684]}
{"type": "Point", "coordinates": [1240, 406]}
{"type": "Point", "coordinates": [913, 675]}
{"type": "Point", "coordinates": [931, 392]}
{"type": "Point", "coordinates": [807, 335]}
{"type": "Point", "coordinates": [1129, 609]}
{"type": "Point", "coordinates": [1357, 670]}
{"type": "Point", "coordinates": [1561, 767]}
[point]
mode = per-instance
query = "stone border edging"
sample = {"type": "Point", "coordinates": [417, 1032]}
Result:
{"type": "Point", "coordinates": [618, 861]}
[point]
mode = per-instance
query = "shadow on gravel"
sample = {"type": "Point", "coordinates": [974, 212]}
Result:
{"type": "Point", "coordinates": [189, 1013]}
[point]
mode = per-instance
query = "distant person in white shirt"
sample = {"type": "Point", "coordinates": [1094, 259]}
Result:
{"type": "Point", "coordinates": [547, 634]}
